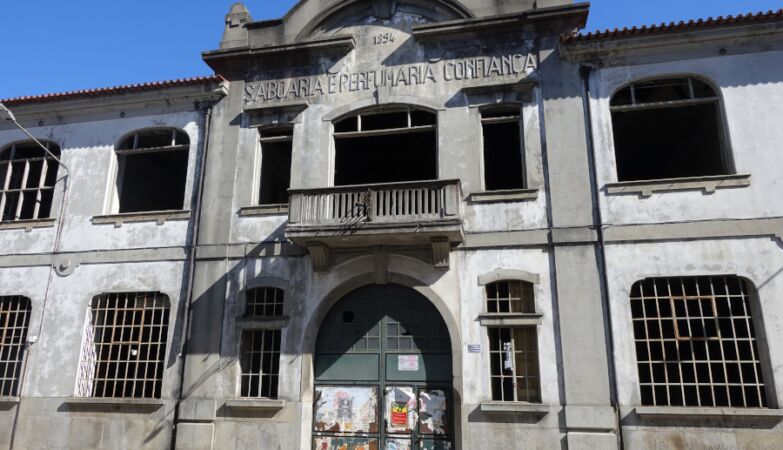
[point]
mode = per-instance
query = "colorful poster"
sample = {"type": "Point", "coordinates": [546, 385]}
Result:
{"type": "Point", "coordinates": [351, 409]}
{"type": "Point", "coordinates": [400, 409]}
{"type": "Point", "coordinates": [344, 443]}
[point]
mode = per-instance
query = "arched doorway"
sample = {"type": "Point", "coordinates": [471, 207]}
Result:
{"type": "Point", "coordinates": [383, 373]}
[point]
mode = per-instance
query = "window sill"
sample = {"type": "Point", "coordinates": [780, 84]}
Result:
{"type": "Point", "coordinates": [529, 409]}
{"type": "Point", "coordinates": [250, 404]}
{"type": "Point", "coordinates": [675, 412]}
{"type": "Point", "coordinates": [100, 404]}
{"type": "Point", "coordinates": [266, 323]}
{"type": "Point", "coordinates": [708, 184]}
{"type": "Point", "coordinates": [27, 225]}
{"type": "Point", "coordinates": [160, 217]}
{"type": "Point", "coordinates": [510, 319]}
{"type": "Point", "coordinates": [264, 210]}
{"type": "Point", "coordinates": [511, 195]}
{"type": "Point", "coordinates": [8, 401]}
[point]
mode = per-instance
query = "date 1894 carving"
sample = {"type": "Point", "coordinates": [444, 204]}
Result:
{"type": "Point", "coordinates": [383, 38]}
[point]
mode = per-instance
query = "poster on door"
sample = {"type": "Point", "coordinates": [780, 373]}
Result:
{"type": "Point", "coordinates": [433, 412]}
{"type": "Point", "coordinates": [346, 409]}
{"type": "Point", "coordinates": [400, 409]}
{"type": "Point", "coordinates": [344, 443]}
{"type": "Point", "coordinates": [398, 444]}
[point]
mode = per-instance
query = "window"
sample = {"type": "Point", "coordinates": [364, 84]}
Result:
{"type": "Point", "coordinates": [696, 344]}
{"type": "Point", "coordinates": [259, 349]}
{"type": "Point", "coordinates": [124, 346]}
{"type": "Point", "coordinates": [14, 320]}
{"type": "Point", "coordinates": [503, 160]}
{"type": "Point", "coordinates": [389, 145]}
{"type": "Point", "coordinates": [668, 128]}
{"type": "Point", "coordinates": [513, 350]}
{"type": "Point", "coordinates": [27, 178]}
{"type": "Point", "coordinates": [276, 145]}
{"type": "Point", "coordinates": [153, 166]}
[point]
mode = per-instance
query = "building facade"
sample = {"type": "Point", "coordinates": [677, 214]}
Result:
{"type": "Point", "coordinates": [404, 225]}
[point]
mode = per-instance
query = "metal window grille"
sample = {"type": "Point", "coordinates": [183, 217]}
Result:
{"type": "Point", "coordinates": [695, 342]}
{"type": "Point", "coordinates": [514, 364]}
{"type": "Point", "coordinates": [14, 320]}
{"type": "Point", "coordinates": [124, 346]}
{"type": "Point", "coordinates": [27, 178]}
{"type": "Point", "coordinates": [259, 362]}
{"type": "Point", "coordinates": [264, 302]}
{"type": "Point", "coordinates": [510, 296]}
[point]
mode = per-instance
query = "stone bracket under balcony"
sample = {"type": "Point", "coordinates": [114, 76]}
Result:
{"type": "Point", "coordinates": [418, 213]}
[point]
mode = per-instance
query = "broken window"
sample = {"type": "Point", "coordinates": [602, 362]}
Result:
{"type": "Point", "coordinates": [124, 346]}
{"type": "Point", "coordinates": [503, 158]}
{"type": "Point", "coordinates": [14, 320]}
{"type": "Point", "coordinates": [27, 178]}
{"type": "Point", "coordinates": [513, 350]}
{"type": "Point", "coordinates": [383, 146]}
{"type": "Point", "coordinates": [153, 166]}
{"type": "Point", "coordinates": [696, 344]}
{"type": "Point", "coordinates": [669, 128]}
{"type": "Point", "coordinates": [276, 146]}
{"type": "Point", "coordinates": [260, 349]}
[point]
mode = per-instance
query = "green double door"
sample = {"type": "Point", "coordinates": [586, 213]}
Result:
{"type": "Point", "coordinates": [383, 374]}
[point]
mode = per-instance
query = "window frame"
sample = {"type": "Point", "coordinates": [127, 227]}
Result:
{"type": "Point", "coordinates": [518, 118]}
{"type": "Point", "coordinates": [19, 364]}
{"type": "Point", "coordinates": [726, 151]}
{"type": "Point", "coordinates": [289, 129]}
{"type": "Point", "coordinates": [43, 174]}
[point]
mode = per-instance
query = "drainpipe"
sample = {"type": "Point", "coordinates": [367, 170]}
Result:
{"type": "Point", "coordinates": [206, 125]}
{"type": "Point", "coordinates": [584, 72]}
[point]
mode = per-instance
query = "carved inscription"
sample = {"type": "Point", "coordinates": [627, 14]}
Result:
{"type": "Point", "coordinates": [447, 70]}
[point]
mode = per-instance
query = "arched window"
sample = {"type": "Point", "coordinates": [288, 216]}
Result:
{"type": "Point", "coordinates": [259, 347]}
{"type": "Point", "coordinates": [124, 347]}
{"type": "Point", "coordinates": [513, 350]}
{"type": "Point", "coordinates": [385, 145]}
{"type": "Point", "coordinates": [27, 178]}
{"type": "Point", "coordinates": [696, 342]}
{"type": "Point", "coordinates": [669, 128]}
{"type": "Point", "coordinates": [14, 320]}
{"type": "Point", "coordinates": [153, 166]}
{"type": "Point", "coordinates": [503, 154]}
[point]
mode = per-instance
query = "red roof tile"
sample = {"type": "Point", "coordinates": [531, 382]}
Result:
{"type": "Point", "coordinates": [114, 90]}
{"type": "Point", "coordinates": [674, 27]}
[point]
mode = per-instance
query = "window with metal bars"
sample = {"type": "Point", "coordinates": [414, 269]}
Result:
{"type": "Point", "coordinates": [696, 343]}
{"type": "Point", "coordinates": [153, 166]}
{"type": "Point", "coordinates": [124, 346]}
{"type": "Point", "coordinates": [264, 302]}
{"type": "Point", "coordinates": [669, 128]}
{"type": "Point", "coordinates": [27, 178]}
{"type": "Point", "coordinates": [260, 363]}
{"type": "Point", "coordinates": [510, 296]}
{"type": "Point", "coordinates": [14, 320]}
{"type": "Point", "coordinates": [504, 164]}
{"type": "Point", "coordinates": [513, 354]}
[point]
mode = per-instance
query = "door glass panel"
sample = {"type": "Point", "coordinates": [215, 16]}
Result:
{"type": "Point", "coordinates": [344, 443]}
{"type": "Point", "coordinates": [346, 409]}
{"type": "Point", "coordinates": [433, 412]}
{"type": "Point", "coordinates": [432, 444]}
{"type": "Point", "coordinates": [394, 443]}
{"type": "Point", "coordinates": [400, 409]}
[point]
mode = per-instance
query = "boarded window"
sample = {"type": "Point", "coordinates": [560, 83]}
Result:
{"type": "Point", "coordinates": [27, 178]}
{"type": "Point", "coordinates": [276, 146]}
{"type": "Point", "coordinates": [389, 145]}
{"type": "Point", "coordinates": [668, 128]}
{"type": "Point", "coordinates": [514, 364]}
{"type": "Point", "coordinates": [153, 166]}
{"type": "Point", "coordinates": [14, 320]}
{"type": "Point", "coordinates": [696, 343]}
{"type": "Point", "coordinates": [124, 346]}
{"type": "Point", "coordinates": [503, 159]}
{"type": "Point", "coordinates": [260, 363]}
{"type": "Point", "coordinates": [510, 296]}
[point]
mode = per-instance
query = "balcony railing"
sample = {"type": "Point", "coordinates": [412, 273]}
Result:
{"type": "Point", "coordinates": [375, 204]}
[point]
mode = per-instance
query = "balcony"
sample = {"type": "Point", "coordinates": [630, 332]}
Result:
{"type": "Point", "coordinates": [389, 214]}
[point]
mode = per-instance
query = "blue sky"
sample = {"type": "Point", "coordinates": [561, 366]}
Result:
{"type": "Point", "coordinates": [57, 45]}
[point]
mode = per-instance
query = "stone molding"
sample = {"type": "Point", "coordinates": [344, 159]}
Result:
{"type": "Point", "coordinates": [646, 188]}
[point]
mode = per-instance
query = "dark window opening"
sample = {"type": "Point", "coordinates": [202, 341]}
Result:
{"type": "Point", "coordinates": [510, 296]}
{"type": "Point", "coordinates": [259, 363]}
{"type": "Point", "coordinates": [514, 365]}
{"type": "Point", "coordinates": [125, 346]}
{"type": "Point", "coordinates": [27, 178]}
{"type": "Point", "coordinates": [695, 343]}
{"type": "Point", "coordinates": [14, 320]}
{"type": "Point", "coordinates": [276, 147]}
{"type": "Point", "coordinates": [264, 302]}
{"type": "Point", "coordinates": [153, 168]}
{"type": "Point", "coordinates": [668, 129]}
{"type": "Point", "coordinates": [384, 147]}
{"type": "Point", "coordinates": [503, 161]}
